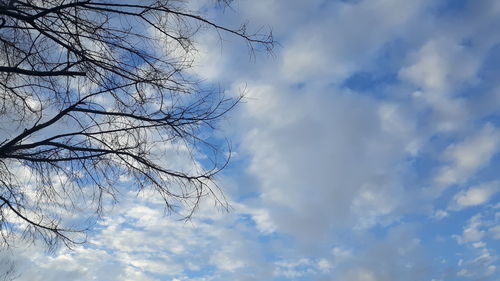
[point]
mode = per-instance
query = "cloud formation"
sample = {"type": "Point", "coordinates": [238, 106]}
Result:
{"type": "Point", "coordinates": [375, 122]}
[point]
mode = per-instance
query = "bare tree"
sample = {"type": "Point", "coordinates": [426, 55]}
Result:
{"type": "Point", "coordinates": [91, 94]}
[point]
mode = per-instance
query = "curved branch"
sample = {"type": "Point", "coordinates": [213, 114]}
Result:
{"type": "Point", "coordinates": [9, 69]}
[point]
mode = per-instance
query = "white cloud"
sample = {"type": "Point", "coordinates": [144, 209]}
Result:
{"type": "Point", "coordinates": [474, 196]}
{"type": "Point", "coordinates": [495, 232]}
{"type": "Point", "coordinates": [396, 256]}
{"type": "Point", "coordinates": [293, 269]}
{"type": "Point", "coordinates": [373, 202]}
{"type": "Point", "coordinates": [467, 157]}
{"type": "Point", "coordinates": [440, 214]}
{"type": "Point", "coordinates": [480, 257]}
{"type": "Point", "coordinates": [341, 255]}
{"type": "Point", "coordinates": [323, 160]}
{"type": "Point", "coordinates": [361, 274]}
{"type": "Point", "coordinates": [490, 270]}
{"type": "Point", "coordinates": [473, 232]}
{"type": "Point", "coordinates": [263, 220]}
{"type": "Point", "coordinates": [227, 260]}
{"type": "Point", "coordinates": [138, 242]}
{"type": "Point", "coordinates": [324, 265]}
{"type": "Point", "coordinates": [439, 65]}
{"type": "Point", "coordinates": [335, 45]}
{"type": "Point", "coordinates": [209, 60]}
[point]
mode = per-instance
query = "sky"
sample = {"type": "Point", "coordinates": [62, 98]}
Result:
{"type": "Point", "coordinates": [366, 149]}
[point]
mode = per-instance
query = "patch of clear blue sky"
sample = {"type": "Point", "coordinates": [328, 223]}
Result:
{"type": "Point", "coordinates": [375, 78]}
{"type": "Point", "coordinates": [452, 6]}
{"type": "Point", "coordinates": [364, 81]}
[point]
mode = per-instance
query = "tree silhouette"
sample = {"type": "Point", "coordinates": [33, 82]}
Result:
{"type": "Point", "coordinates": [94, 95]}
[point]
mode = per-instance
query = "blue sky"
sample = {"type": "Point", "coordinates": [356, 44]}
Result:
{"type": "Point", "coordinates": [366, 150]}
